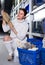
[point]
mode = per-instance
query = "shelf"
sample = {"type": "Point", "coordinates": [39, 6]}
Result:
{"type": "Point", "coordinates": [38, 9]}
{"type": "Point", "coordinates": [37, 34]}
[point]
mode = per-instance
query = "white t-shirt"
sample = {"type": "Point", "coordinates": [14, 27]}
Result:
{"type": "Point", "coordinates": [20, 26]}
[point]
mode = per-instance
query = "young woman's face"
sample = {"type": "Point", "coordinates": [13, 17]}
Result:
{"type": "Point", "coordinates": [20, 15]}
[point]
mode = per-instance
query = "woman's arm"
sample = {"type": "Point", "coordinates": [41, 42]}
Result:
{"type": "Point", "coordinates": [7, 20]}
{"type": "Point", "coordinates": [5, 26]}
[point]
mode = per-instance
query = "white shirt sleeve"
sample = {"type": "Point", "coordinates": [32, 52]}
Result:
{"type": "Point", "coordinates": [22, 34]}
{"type": "Point", "coordinates": [5, 28]}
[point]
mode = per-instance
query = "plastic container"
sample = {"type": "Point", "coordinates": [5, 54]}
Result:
{"type": "Point", "coordinates": [28, 57]}
{"type": "Point", "coordinates": [43, 56]}
{"type": "Point", "coordinates": [36, 42]}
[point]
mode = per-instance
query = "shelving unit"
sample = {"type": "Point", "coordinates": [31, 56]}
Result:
{"type": "Point", "coordinates": [38, 15]}
{"type": "Point", "coordinates": [37, 34]}
{"type": "Point", "coordinates": [38, 9]}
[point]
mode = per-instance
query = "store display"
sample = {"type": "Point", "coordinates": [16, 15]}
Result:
{"type": "Point", "coordinates": [43, 25]}
{"type": "Point", "coordinates": [37, 28]}
{"type": "Point", "coordinates": [38, 2]}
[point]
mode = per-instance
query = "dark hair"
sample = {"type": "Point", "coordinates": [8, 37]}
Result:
{"type": "Point", "coordinates": [24, 10]}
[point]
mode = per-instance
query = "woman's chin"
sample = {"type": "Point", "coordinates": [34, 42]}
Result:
{"type": "Point", "coordinates": [18, 18]}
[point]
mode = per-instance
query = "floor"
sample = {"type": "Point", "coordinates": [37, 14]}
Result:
{"type": "Point", "coordinates": [4, 55]}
